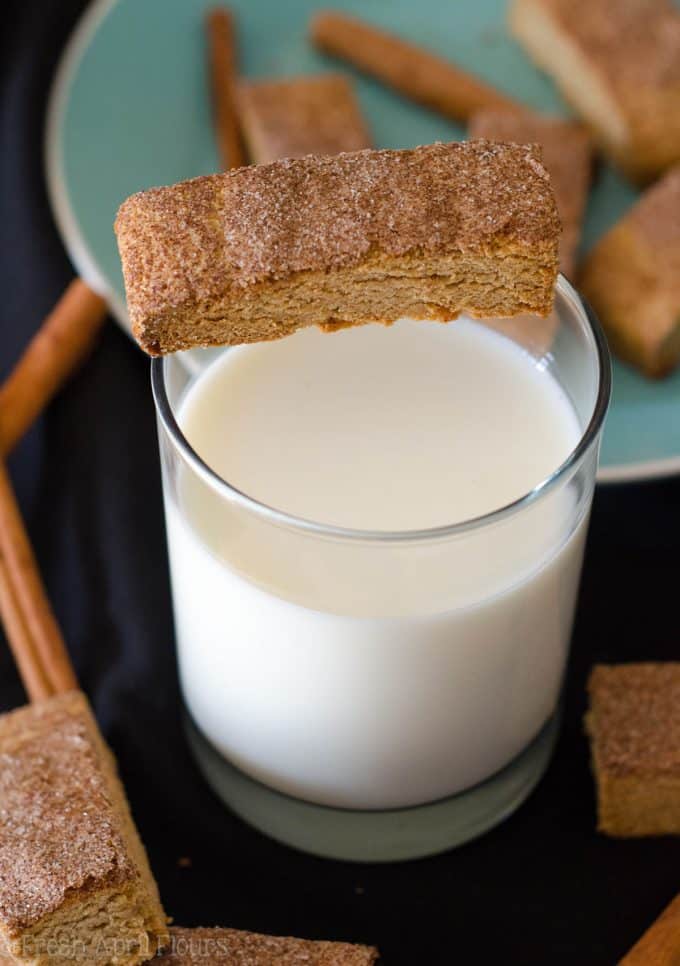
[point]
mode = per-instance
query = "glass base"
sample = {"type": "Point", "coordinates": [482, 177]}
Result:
{"type": "Point", "coordinates": [376, 836]}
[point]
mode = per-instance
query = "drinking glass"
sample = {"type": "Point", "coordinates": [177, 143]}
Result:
{"type": "Point", "coordinates": [373, 695]}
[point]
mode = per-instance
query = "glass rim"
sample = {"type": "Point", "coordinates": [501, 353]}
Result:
{"type": "Point", "coordinates": [272, 514]}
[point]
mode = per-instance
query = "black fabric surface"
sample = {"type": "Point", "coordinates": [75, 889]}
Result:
{"type": "Point", "coordinates": [542, 888]}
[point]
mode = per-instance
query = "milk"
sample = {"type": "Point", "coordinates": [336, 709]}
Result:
{"type": "Point", "coordinates": [375, 673]}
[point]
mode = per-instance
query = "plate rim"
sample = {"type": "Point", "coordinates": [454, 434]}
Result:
{"type": "Point", "coordinates": [643, 472]}
{"type": "Point", "coordinates": [86, 265]}
{"type": "Point", "coordinates": [67, 223]}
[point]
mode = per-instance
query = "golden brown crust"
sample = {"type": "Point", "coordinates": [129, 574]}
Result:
{"type": "Point", "coordinates": [632, 279]}
{"type": "Point", "coordinates": [628, 57]}
{"type": "Point", "coordinates": [224, 259]}
{"type": "Point", "coordinates": [231, 947]}
{"type": "Point", "coordinates": [566, 154]}
{"type": "Point", "coordinates": [58, 831]}
{"type": "Point", "coordinates": [634, 727]}
{"type": "Point", "coordinates": [66, 835]}
{"type": "Point", "coordinates": [637, 709]}
{"type": "Point", "coordinates": [293, 117]}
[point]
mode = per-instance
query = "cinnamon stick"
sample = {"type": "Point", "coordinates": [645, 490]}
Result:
{"type": "Point", "coordinates": [62, 342]}
{"type": "Point", "coordinates": [26, 657]}
{"type": "Point", "coordinates": [413, 71]}
{"type": "Point", "coordinates": [660, 945]}
{"type": "Point", "coordinates": [32, 629]}
{"type": "Point", "coordinates": [59, 346]}
{"type": "Point", "coordinates": [222, 64]}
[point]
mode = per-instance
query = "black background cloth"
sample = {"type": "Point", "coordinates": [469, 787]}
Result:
{"type": "Point", "coordinates": [541, 888]}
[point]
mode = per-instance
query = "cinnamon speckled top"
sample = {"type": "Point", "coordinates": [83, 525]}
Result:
{"type": "Point", "coordinates": [230, 947]}
{"type": "Point", "coordinates": [565, 145]}
{"type": "Point", "coordinates": [636, 43]}
{"type": "Point", "coordinates": [293, 116]}
{"type": "Point", "coordinates": [655, 217]}
{"type": "Point", "coordinates": [635, 721]}
{"type": "Point", "coordinates": [58, 829]}
{"type": "Point", "coordinates": [198, 238]}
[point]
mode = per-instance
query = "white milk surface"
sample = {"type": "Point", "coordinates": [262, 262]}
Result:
{"type": "Point", "coordinates": [375, 674]}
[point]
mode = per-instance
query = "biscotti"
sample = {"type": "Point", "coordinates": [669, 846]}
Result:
{"type": "Point", "coordinates": [632, 279]}
{"type": "Point", "coordinates": [292, 117]}
{"type": "Point", "coordinates": [566, 155]}
{"type": "Point", "coordinates": [75, 883]}
{"type": "Point", "coordinates": [231, 947]}
{"type": "Point", "coordinates": [634, 728]}
{"type": "Point", "coordinates": [256, 253]}
{"type": "Point", "coordinates": [618, 64]}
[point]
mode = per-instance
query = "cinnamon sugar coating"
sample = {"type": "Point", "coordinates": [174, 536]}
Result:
{"type": "Point", "coordinates": [636, 43]}
{"type": "Point", "coordinates": [566, 155]}
{"type": "Point", "coordinates": [655, 219]}
{"type": "Point", "coordinates": [322, 213]}
{"type": "Point", "coordinates": [634, 728]}
{"type": "Point", "coordinates": [73, 873]}
{"type": "Point", "coordinates": [294, 116]}
{"type": "Point", "coordinates": [57, 830]}
{"type": "Point", "coordinates": [637, 718]}
{"type": "Point", "coordinates": [618, 64]}
{"type": "Point", "coordinates": [190, 252]}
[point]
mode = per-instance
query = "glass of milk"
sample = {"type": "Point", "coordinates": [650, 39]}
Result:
{"type": "Point", "coordinates": [375, 542]}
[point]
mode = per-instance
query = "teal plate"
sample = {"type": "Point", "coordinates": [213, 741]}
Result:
{"type": "Point", "coordinates": [129, 110]}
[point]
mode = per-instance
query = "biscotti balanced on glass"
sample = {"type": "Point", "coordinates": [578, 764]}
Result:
{"type": "Point", "coordinates": [371, 236]}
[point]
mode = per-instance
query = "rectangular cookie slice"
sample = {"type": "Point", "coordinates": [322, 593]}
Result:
{"type": "Point", "coordinates": [231, 947]}
{"type": "Point", "coordinates": [632, 279]}
{"type": "Point", "coordinates": [618, 65]}
{"type": "Point", "coordinates": [75, 883]}
{"type": "Point", "coordinates": [566, 155]}
{"type": "Point", "coordinates": [634, 729]}
{"type": "Point", "coordinates": [293, 117]}
{"type": "Point", "coordinates": [370, 236]}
